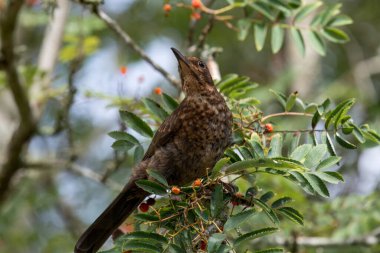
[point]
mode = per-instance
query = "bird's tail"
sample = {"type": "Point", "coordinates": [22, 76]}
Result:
{"type": "Point", "coordinates": [99, 231]}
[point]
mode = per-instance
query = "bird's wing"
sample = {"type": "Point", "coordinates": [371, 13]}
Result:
{"type": "Point", "coordinates": [165, 132]}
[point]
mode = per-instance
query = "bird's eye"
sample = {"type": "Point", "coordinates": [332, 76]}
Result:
{"type": "Point", "coordinates": [201, 64]}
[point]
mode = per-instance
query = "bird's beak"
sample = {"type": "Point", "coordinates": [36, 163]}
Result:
{"type": "Point", "coordinates": [182, 60]}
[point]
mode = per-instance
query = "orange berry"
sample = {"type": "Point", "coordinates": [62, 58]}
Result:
{"type": "Point", "coordinates": [268, 128]}
{"type": "Point", "coordinates": [197, 182]}
{"type": "Point", "coordinates": [176, 190]}
{"type": "Point", "coordinates": [196, 16]}
{"type": "Point", "coordinates": [167, 7]}
{"type": "Point", "coordinates": [123, 70]}
{"type": "Point", "coordinates": [196, 4]}
{"type": "Point", "coordinates": [144, 207]}
{"type": "Point", "coordinates": [158, 90]}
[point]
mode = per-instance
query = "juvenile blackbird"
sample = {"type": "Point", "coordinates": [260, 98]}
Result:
{"type": "Point", "coordinates": [190, 140]}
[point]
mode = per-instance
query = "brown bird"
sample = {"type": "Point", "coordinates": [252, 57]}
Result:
{"type": "Point", "coordinates": [190, 140]}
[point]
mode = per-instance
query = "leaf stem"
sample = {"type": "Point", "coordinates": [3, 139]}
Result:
{"type": "Point", "coordinates": [286, 114]}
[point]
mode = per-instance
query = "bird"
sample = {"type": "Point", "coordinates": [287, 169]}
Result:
{"type": "Point", "coordinates": [188, 142]}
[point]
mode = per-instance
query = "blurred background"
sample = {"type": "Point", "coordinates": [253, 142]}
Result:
{"type": "Point", "coordinates": [69, 172]}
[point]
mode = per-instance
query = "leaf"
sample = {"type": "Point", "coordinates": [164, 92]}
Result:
{"type": "Point", "coordinates": [243, 28]}
{"type": "Point", "coordinates": [328, 162]}
{"type": "Point", "coordinates": [140, 246]}
{"type": "Point", "coordinates": [141, 235]}
{"type": "Point", "coordinates": [342, 107]}
{"type": "Point", "coordinates": [260, 35]}
{"type": "Point", "coordinates": [315, 119]}
{"type": "Point", "coordinates": [300, 152]}
{"type": "Point", "coordinates": [294, 142]}
{"type": "Point", "coordinates": [298, 40]}
{"type": "Point", "coordinates": [151, 187]}
{"type": "Point", "coordinates": [317, 184]}
{"type": "Point", "coordinates": [300, 179]}
{"type": "Point", "coordinates": [227, 80]}
{"type": "Point", "coordinates": [280, 97]}
{"type": "Point", "coordinates": [267, 210]}
{"type": "Point", "coordinates": [291, 214]}
{"type": "Point", "coordinates": [122, 145]}
{"type": "Point", "coordinates": [214, 242]}
{"type": "Point", "coordinates": [317, 43]}
{"type": "Point", "coordinates": [138, 154]}
{"type": "Point", "coordinates": [176, 248]}
{"type": "Point", "coordinates": [358, 133]}
{"type": "Point", "coordinates": [263, 9]}
{"type": "Point", "coordinates": [315, 155]}
{"type": "Point", "coordinates": [277, 38]}
{"type": "Point", "coordinates": [267, 196]}
{"type": "Point", "coordinates": [281, 201]}
{"type": "Point", "coordinates": [232, 155]}
{"type": "Point", "coordinates": [120, 135]}
{"type": "Point", "coordinates": [291, 101]}
{"type": "Point", "coordinates": [136, 123]}
{"type": "Point", "coordinates": [235, 220]}
{"type": "Point", "coordinates": [335, 35]}
{"type": "Point", "coordinates": [218, 166]}
{"type": "Point", "coordinates": [217, 203]}
{"type": "Point", "coordinates": [330, 176]}
{"type": "Point", "coordinates": [275, 146]}
{"type": "Point", "coordinates": [157, 176]}
{"type": "Point", "coordinates": [255, 234]}
{"type": "Point", "coordinates": [340, 20]}
{"type": "Point", "coordinates": [271, 250]}
{"type": "Point", "coordinates": [306, 10]}
{"type": "Point", "coordinates": [257, 148]}
{"type": "Point", "coordinates": [329, 143]}
{"type": "Point", "coordinates": [169, 102]}
{"type": "Point", "coordinates": [145, 217]}
{"type": "Point", "coordinates": [343, 142]}
{"type": "Point", "coordinates": [155, 108]}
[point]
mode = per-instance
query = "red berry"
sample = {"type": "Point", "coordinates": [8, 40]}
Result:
{"type": "Point", "coordinates": [144, 207]}
{"type": "Point", "coordinates": [158, 91]}
{"type": "Point", "coordinates": [123, 70]}
{"type": "Point", "coordinates": [203, 245]}
{"type": "Point", "coordinates": [167, 7]}
{"type": "Point", "coordinates": [196, 16]}
{"type": "Point", "coordinates": [234, 203]}
{"type": "Point", "coordinates": [196, 4]}
{"type": "Point", "coordinates": [268, 128]}
{"type": "Point", "coordinates": [151, 201]}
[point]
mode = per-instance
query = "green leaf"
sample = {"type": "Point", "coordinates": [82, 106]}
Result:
{"type": "Point", "coordinates": [277, 38]}
{"type": "Point", "coordinates": [217, 203]}
{"type": "Point", "coordinates": [330, 176]}
{"type": "Point", "coordinates": [235, 220]}
{"type": "Point", "coordinates": [267, 210]}
{"type": "Point", "coordinates": [227, 80]}
{"type": "Point", "coordinates": [141, 246]}
{"type": "Point", "coordinates": [157, 176]}
{"type": "Point", "coordinates": [170, 103]}
{"type": "Point", "coordinates": [271, 250]}
{"type": "Point", "coordinates": [136, 123]}
{"type": "Point", "coordinates": [243, 28]}
{"type": "Point", "coordinates": [120, 135]}
{"type": "Point", "coordinates": [298, 40]}
{"type": "Point", "coordinates": [122, 145]}
{"type": "Point", "coordinates": [291, 214]}
{"type": "Point", "coordinates": [300, 152]}
{"type": "Point", "coordinates": [280, 97]}
{"type": "Point", "coordinates": [300, 179]}
{"type": "Point", "coordinates": [315, 155]}
{"type": "Point", "coordinates": [328, 162]}
{"type": "Point", "coordinates": [317, 184]}
{"type": "Point", "coordinates": [338, 111]}
{"type": "Point", "coordinates": [294, 142]}
{"type": "Point", "coordinates": [281, 202]}
{"type": "Point", "coordinates": [232, 155]}
{"type": "Point", "coordinates": [138, 154]}
{"type": "Point", "coordinates": [275, 146]}
{"type": "Point", "coordinates": [291, 101]}
{"type": "Point", "coordinates": [218, 166]}
{"type": "Point", "coordinates": [260, 35]}
{"type": "Point", "coordinates": [214, 242]}
{"type": "Point", "coordinates": [317, 43]}
{"type": "Point", "coordinates": [358, 133]}
{"type": "Point", "coordinates": [335, 35]}
{"type": "Point", "coordinates": [343, 142]}
{"type": "Point", "coordinates": [145, 217]}
{"type": "Point", "coordinates": [340, 20]}
{"type": "Point", "coordinates": [257, 148]}
{"type": "Point", "coordinates": [263, 9]}
{"type": "Point", "coordinates": [151, 187]}
{"type": "Point", "coordinates": [155, 108]}
{"type": "Point", "coordinates": [330, 145]}
{"type": "Point", "coordinates": [176, 248]}
{"type": "Point", "coordinates": [315, 119]}
{"type": "Point", "coordinates": [141, 235]}
{"type": "Point", "coordinates": [267, 196]}
{"type": "Point", "coordinates": [306, 10]}
{"type": "Point", "coordinates": [255, 234]}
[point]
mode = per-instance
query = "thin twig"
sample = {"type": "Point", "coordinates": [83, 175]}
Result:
{"type": "Point", "coordinates": [286, 114]}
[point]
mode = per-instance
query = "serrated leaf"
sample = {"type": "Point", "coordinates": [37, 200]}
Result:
{"type": "Point", "coordinates": [302, 181]}
{"type": "Point", "coordinates": [357, 132]}
{"type": "Point", "coordinates": [317, 184]}
{"type": "Point", "coordinates": [330, 145]}
{"type": "Point", "coordinates": [291, 214]}
{"type": "Point", "coordinates": [255, 234]}
{"type": "Point", "coordinates": [214, 242]}
{"type": "Point", "coordinates": [317, 43]}
{"type": "Point", "coordinates": [306, 10]}
{"type": "Point", "coordinates": [267, 196]}
{"type": "Point", "coordinates": [232, 155]}
{"type": "Point", "coordinates": [170, 103]}
{"type": "Point", "coordinates": [157, 176]}
{"type": "Point", "coordinates": [315, 155]}
{"type": "Point", "coordinates": [218, 166]}
{"type": "Point", "coordinates": [277, 38]}
{"type": "Point", "coordinates": [300, 152]}
{"type": "Point", "coordinates": [217, 203]}
{"type": "Point", "coordinates": [120, 135]}
{"type": "Point", "coordinates": [343, 142]}
{"type": "Point", "coordinates": [140, 246]}
{"type": "Point", "coordinates": [335, 35]}
{"type": "Point", "coordinates": [243, 28]}
{"type": "Point", "coordinates": [281, 201]}
{"type": "Point", "coordinates": [344, 106]}
{"type": "Point", "coordinates": [142, 235]}
{"type": "Point", "coordinates": [260, 35]}
{"type": "Point", "coordinates": [122, 145]}
{"type": "Point", "coordinates": [227, 80]}
{"type": "Point", "coordinates": [263, 9]}
{"type": "Point", "coordinates": [267, 210]}
{"type": "Point", "coordinates": [298, 40]}
{"type": "Point", "coordinates": [151, 187]}
{"type": "Point", "coordinates": [257, 148]}
{"type": "Point", "coordinates": [328, 162]}
{"type": "Point", "coordinates": [235, 220]}
{"type": "Point", "coordinates": [275, 146]}
{"type": "Point", "coordinates": [155, 108]}
{"type": "Point", "coordinates": [136, 123]}
{"type": "Point", "coordinates": [340, 20]}
{"type": "Point", "coordinates": [331, 177]}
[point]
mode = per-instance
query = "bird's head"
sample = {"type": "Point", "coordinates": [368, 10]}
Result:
{"type": "Point", "coordinates": [195, 76]}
